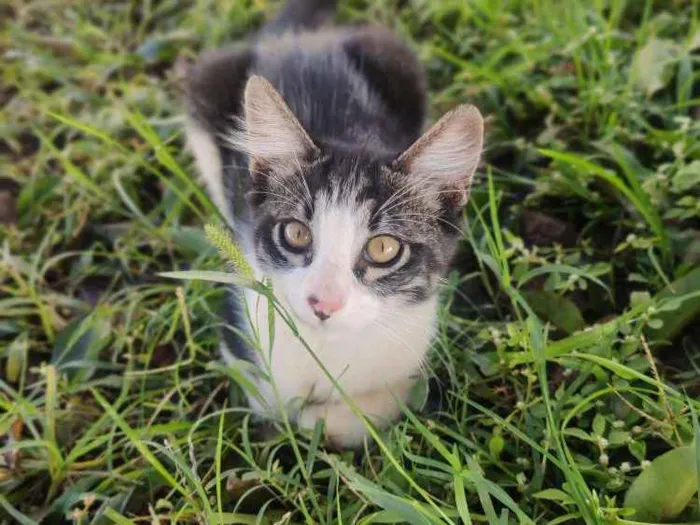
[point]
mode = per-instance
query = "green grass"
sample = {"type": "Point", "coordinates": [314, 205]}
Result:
{"type": "Point", "coordinates": [569, 343]}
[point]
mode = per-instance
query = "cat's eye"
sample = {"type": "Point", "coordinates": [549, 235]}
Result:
{"type": "Point", "coordinates": [296, 236]}
{"type": "Point", "coordinates": [382, 249]}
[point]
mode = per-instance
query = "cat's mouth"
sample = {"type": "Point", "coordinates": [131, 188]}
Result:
{"type": "Point", "coordinates": [306, 318]}
{"type": "Point", "coordinates": [311, 321]}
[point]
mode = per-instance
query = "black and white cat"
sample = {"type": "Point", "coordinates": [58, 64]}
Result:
{"type": "Point", "coordinates": [309, 141]}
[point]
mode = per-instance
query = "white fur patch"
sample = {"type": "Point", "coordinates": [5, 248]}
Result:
{"type": "Point", "coordinates": [210, 166]}
{"type": "Point", "coordinates": [343, 427]}
{"type": "Point", "coordinates": [371, 355]}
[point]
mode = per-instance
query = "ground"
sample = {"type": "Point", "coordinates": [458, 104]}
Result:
{"type": "Point", "coordinates": [568, 353]}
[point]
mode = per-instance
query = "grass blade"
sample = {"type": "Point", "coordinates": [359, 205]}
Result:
{"type": "Point", "coordinates": [140, 446]}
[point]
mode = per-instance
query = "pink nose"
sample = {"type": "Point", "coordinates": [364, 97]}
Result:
{"type": "Point", "coordinates": [324, 308]}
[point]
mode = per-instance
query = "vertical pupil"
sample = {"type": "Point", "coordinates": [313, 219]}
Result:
{"type": "Point", "coordinates": [296, 234]}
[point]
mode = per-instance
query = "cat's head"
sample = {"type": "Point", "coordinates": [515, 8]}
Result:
{"type": "Point", "coordinates": [344, 238]}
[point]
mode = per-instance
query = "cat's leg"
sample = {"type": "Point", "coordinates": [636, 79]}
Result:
{"type": "Point", "coordinates": [343, 428]}
{"type": "Point", "coordinates": [392, 68]}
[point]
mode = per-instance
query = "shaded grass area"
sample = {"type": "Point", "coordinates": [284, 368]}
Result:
{"type": "Point", "coordinates": [568, 356]}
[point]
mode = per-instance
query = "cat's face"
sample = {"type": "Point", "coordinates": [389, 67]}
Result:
{"type": "Point", "coordinates": [347, 240]}
{"type": "Point", "coordinates": [343, 239]}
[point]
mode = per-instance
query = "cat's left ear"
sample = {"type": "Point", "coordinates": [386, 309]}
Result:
{"type": "Point", "coordinates": [274, 138]}
{"type": "Point", "coordinates": [448, 153]}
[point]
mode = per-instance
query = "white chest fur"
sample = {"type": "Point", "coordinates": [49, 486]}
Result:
{"type": "Point", "coordinates": [375, 366]}
{"type": "Point", "coordinates": [386, 351]}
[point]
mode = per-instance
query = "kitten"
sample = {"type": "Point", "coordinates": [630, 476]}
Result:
{"type": "Point", "coordinates": [309, 141]}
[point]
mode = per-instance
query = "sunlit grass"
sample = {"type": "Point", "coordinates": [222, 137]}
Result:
{"type": "Point", "coordinates": [566, 361]}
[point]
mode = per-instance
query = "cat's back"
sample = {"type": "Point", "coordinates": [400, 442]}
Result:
{"type": "Point", "coordinates": [338, 88]}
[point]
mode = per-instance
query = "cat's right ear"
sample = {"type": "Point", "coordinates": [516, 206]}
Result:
{"type": "Point", "coordinates": [273, 137]}
{"type": "Point", "coordinates": [447, 155]}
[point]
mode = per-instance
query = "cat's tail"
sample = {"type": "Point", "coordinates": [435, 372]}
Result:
{"type": "Point", "coordinates": [300, 15]}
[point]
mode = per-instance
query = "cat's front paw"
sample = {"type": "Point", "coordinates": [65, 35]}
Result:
{"type": "Point", "coordinates": [343, 429]}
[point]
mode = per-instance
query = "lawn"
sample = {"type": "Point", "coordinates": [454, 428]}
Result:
{"type": "Point", "coordinates": [566, 375]}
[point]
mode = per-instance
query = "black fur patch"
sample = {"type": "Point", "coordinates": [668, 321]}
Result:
{"type": "Point", "coordinates": [234, 318]}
